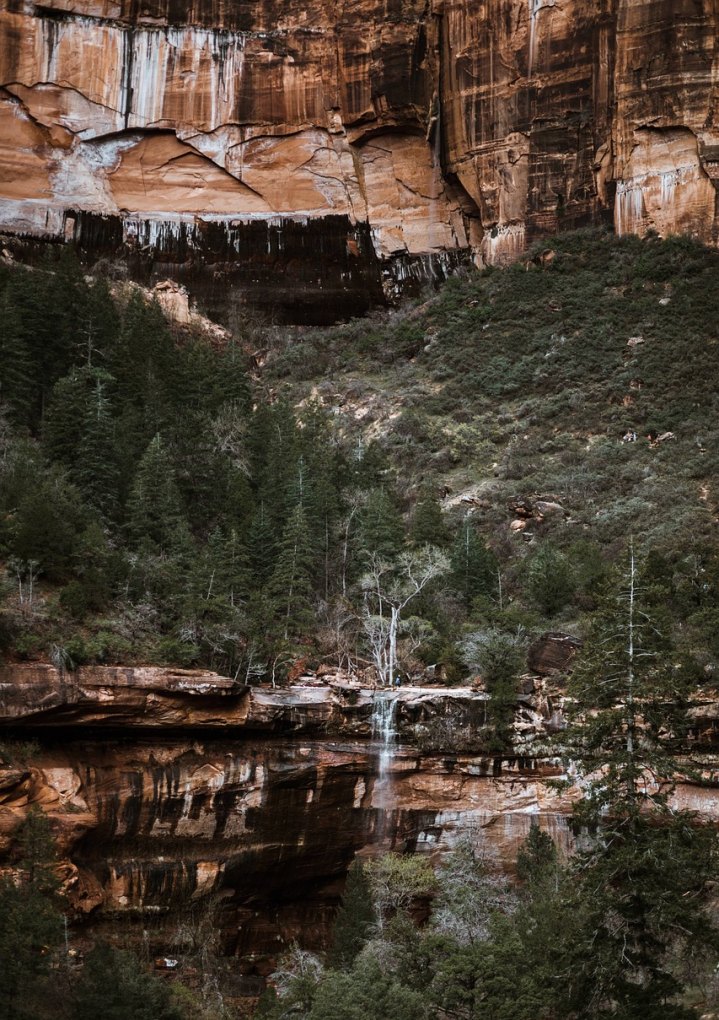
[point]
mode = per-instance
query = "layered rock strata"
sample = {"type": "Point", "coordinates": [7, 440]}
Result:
{"type": "Point", "coordinates": [169, 790]}
{"type": "Point", "coordinates": [344, 150]}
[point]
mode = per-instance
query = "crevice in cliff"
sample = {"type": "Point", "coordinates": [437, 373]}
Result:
{"type": "Point", "coordinates": [7, 93]}
{"type": "Point", "coordinates": [62, 87]}
{"type": "Point", "coordinates": [417, 193]}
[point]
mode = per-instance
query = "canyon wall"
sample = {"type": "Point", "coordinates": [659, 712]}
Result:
{"type": "Point", "coordinates": [181, 797]}
{"type": "Point", "coordinates": [181, 794]}
{"type": "Point", "coordinates": [322, 156]}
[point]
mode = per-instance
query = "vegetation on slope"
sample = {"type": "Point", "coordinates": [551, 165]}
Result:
{"type": "Point", "coordinates": [157, 506]}
{"type": "Point", "coordinates": [433, 485]}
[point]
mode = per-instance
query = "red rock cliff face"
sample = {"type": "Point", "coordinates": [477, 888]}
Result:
{"type": "Point", "coordinates": [170, 790]}
{"type": "Point", "coordinates": [377, 142]}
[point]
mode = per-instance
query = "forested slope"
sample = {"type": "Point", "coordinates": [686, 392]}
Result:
{"type": "Point", "coordinates": [159, 505]}
{"type": "Point", "coordinates": [529, 449]}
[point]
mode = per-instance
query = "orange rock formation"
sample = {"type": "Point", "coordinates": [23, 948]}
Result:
{"type": "Point", "coordinates": [168, 788]}
{"type": "Point", "coordinates": [398, 131]}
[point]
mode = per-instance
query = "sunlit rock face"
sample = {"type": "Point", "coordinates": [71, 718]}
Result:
{"type": "Point", "coordinates": [343, 152]}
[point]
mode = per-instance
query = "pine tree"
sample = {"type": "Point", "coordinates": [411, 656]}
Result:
{"type": "Point", "coordinates": [17, 380]}
{"type": "Point", "coordinates": [537, 856]}
{"type": "Point", "coordinates": [262, 543]}
{"type": "Point", "coordinates": [65, 416]}
{"type": "Point", "coordinates": [355, 919]}
{"type": "Point", "coordinates": [321, 461]}
{"type": "Point", "coordinates": [232, 370]}
{"type": "Point", "coordinates": [30, 922]}
{"type": "Point", "coordinates": [154, 510]}
{"type": "Point", "coordinates": [549, 581]}
{"type": "Point", "coordinates": [428, 526]}
{"type": "Point", "coordinates": [628, 702]}
{"type": "Point", "coordinates": [499, 657]}
{"type": "Point", "coordinates": [642, 880]}
{"type": "Point", "coordinates": [291, 583]}
{"type": "Point", "coordinates": [48, 518]}
{"type": "Point", "coordinates": [51, 301]}
{"type": "Point", "coordinates": [474, 566]}
{"type": "Point", "coordinates": [113, 985]}
{"type": "Point", "coordinates": [96, 470]}
{"type": "Point", "coordinates": [97, 326]}
{"type": "Point", "coordinates": [140, 362]}
{"type": "Point", "coordinates": [274, 448]}
{"type": "Point", "coordinates": [381, 531]}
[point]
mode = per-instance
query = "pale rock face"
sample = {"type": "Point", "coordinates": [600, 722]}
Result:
{"type": "Point", "coordinates": [465, 128]}
{"type": "Point", "coordinates": [664, 187]}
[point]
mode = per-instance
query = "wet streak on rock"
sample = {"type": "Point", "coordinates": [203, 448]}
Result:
{"type": "Point", "coordinates": [316, 271]}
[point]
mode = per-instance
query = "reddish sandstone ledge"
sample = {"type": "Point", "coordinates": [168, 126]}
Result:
{"type": "Point", "coordinates": [38, 695]}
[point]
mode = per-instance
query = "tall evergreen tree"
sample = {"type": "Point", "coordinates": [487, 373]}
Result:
{"type": "Point", "coordinates": [17, 380]}
{"type": "Point", "coordinates": [51, 338]}
{"type": "Point", "coordinates": [232, 370]}
{"type": "Point", "coordinates": [642, 879]}
{"type": "Point", "coordinates": [291, 583]}
{"type": "Point", "coordinates": [30, 922]}
{"type": "Point", "coordinates": [65, 416]}
{"type": "Point", "coordinates": [355, 919]}
{"type": "Point", "coordinates": [47, 520]}
{"type": "Point", "coordinates": [96, 470]}
{"type": "Point", "coordinates": [549, 580]}
{"type": "Point", "coordinates": [428, 526]}
{"type": "Point", "coordinates": [154, 510]}
{"type": "Point", "coordinates": [381, 530]}
{"type": "Point", "coordinates": [97, 326]}
{"type": "Point", "coordinates": [262, 543]}
{"type": "Point", "coordinates": [474, 566]}
{"type": "Point", "coordinates": [113, 985]}
{"type": "Point", "coordinates": [274, 446]}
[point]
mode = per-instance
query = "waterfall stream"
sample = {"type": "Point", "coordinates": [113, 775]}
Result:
{"type": "Point", "coordinates": [384, 733]}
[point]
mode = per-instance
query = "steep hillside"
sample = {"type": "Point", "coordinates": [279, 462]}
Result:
{"type": "Point", "coordinates": [584, 376]}
{"type": "Point", "coordinates": [527, 423]}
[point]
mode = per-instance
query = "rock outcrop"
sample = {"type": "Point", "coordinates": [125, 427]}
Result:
{"type": "Point", "coordinates": [320, 156]}
{"type": "Point", "coordinates": [172, 788]}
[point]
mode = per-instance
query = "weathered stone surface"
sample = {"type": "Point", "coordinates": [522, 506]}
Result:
{"type": "Point", "coordinates": [269, 826]}
{"type": "Point", "coordinates": [113, 695]}
{"type": "Point", "coordinates": [425, 130]}
{"type": "Point", "coordinates": [552, 653]}
{"type": "Point", "coordinates": [167, 788]}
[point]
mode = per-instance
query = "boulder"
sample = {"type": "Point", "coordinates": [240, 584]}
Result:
{"type": "Point", "coordinates": [552, 653]}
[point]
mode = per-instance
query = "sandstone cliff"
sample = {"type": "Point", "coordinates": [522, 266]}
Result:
{"type": "Point", "coordinates": [172, 789]}
{"type": "Point", "coordinates": [333, 152]}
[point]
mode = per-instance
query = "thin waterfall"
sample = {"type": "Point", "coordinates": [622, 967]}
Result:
{"type": "Point", "coordinates": [534, 8]}
{"type": "Point", "coordinates": [384, 733]}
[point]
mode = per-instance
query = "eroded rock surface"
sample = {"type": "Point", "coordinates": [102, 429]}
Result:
{"type": "Point", "coordinates": [172, 788]}
{"type": "Point", "coordinates": [380, 142]}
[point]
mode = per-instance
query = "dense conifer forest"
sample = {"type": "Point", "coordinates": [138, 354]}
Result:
{"type": "Point", "coordinates": [421, 492]}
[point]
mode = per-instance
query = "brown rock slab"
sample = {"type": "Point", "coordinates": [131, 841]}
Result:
{"type": "Point", "coordinates": [552, 653]}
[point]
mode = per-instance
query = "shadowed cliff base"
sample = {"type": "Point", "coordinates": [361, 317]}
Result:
{"type": "Point", "coordinates": [301, 272]}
